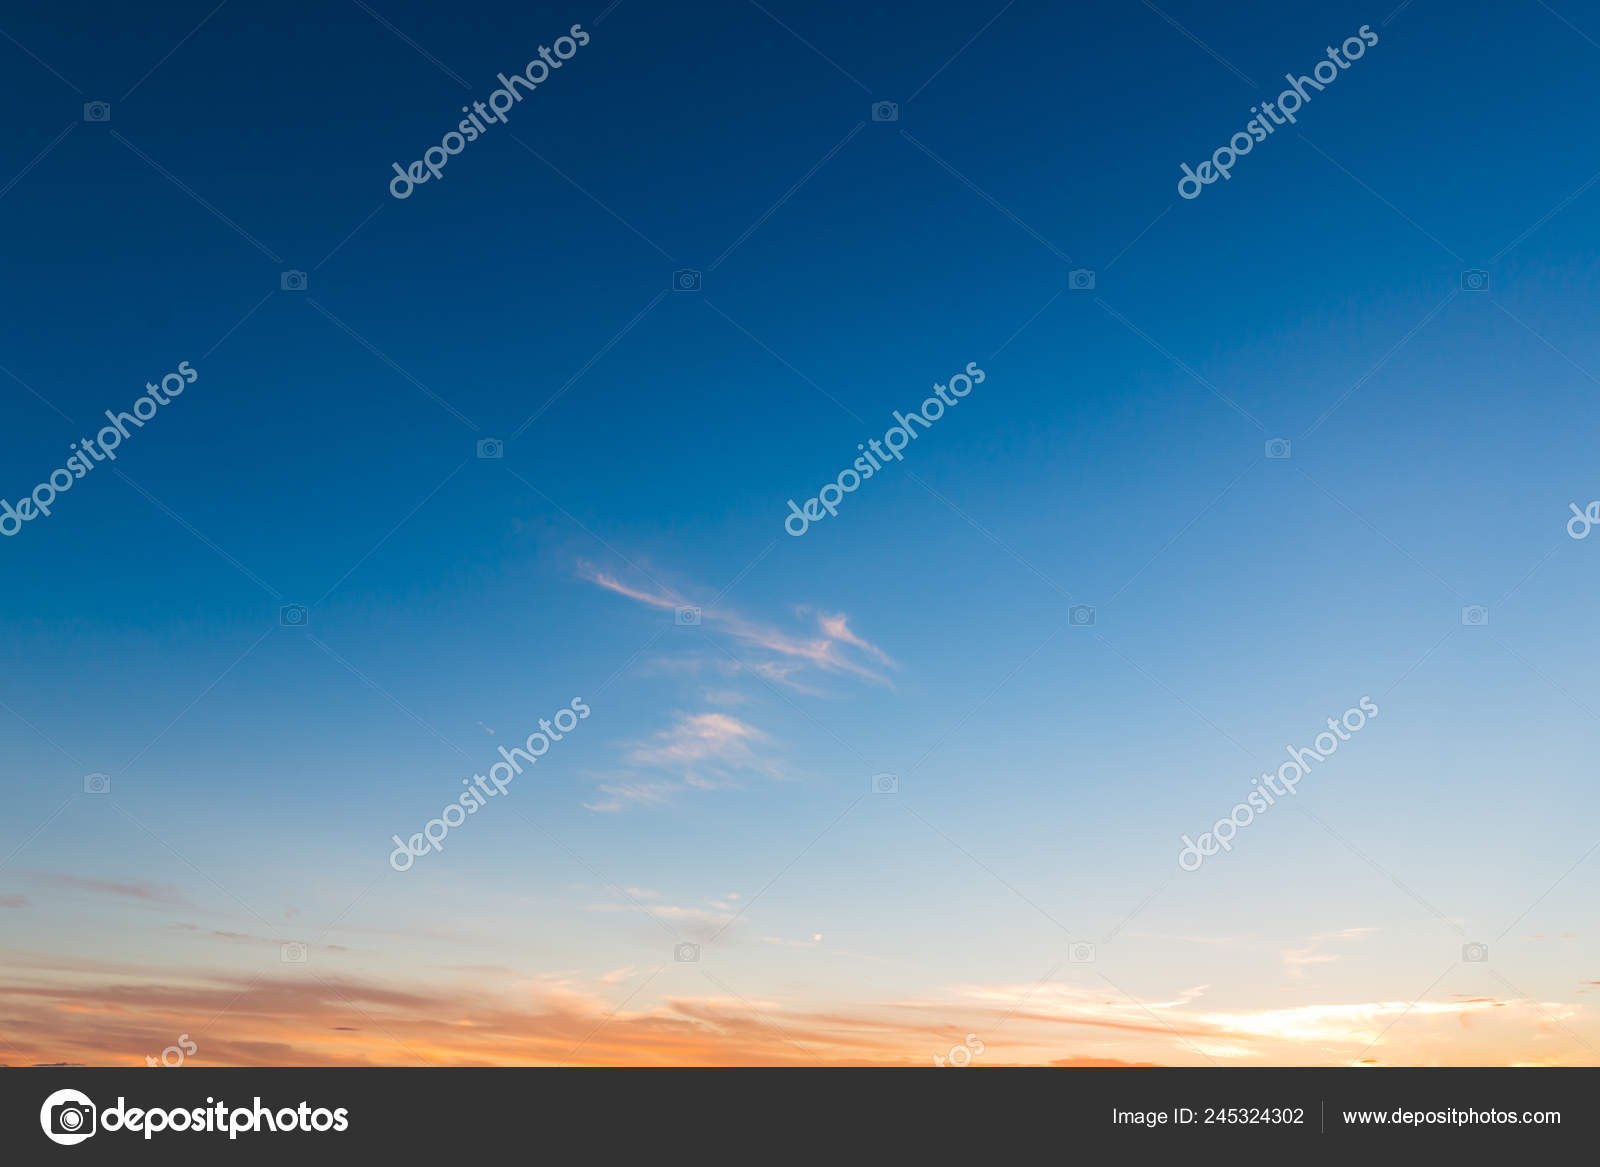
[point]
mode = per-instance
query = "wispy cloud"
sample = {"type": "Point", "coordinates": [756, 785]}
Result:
{"type": "Point", "coordinates": [834, 651]}
{"type": "Point", "coordinates": [837, 627]}
{"type": "Point", "coordinates": [809, 942]}
{"type": "Point", "coordinates": [218, 933]}
{"type": "Point", "coordinates": [703, 751]}
{"type": "Point", "coordinates": [702, 924]}
{"type": "Point", "coordinates": [1313, 951]}
{"type": "Point", "coordinates": [700, 737]}
{"type": "Point", "coordinates": [132, 890]}
{"type": "Point", "coordinates": [620, 795]}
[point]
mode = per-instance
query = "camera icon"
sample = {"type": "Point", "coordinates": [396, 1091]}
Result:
{"type": "Point", "coordinates": [686, 953]}
{"type": "Point", "coordinates": [1081, 953]}
{"type": "Point", "coordinates": [1080, 280]}
{"type": "Point", "coordinates": [68, 1117]}
{"type": "Point", "coordinates": [1475, 953]}
{"type": "Point", "coordinates": [292, 281]}
{"type": "Point", "coordinates": [687, 616]}
{"type": "Point", "coordinates": [293, 952]}
{"type": "Point", "coordinates": [97, 111]}
{"type": "Point", "coordinates": [885, 784]}
{"type": "Point", "coordinates": [97, 783]}
{"type": "Point", "coordinates": [1475, 280]}
{"type": "Point", "coordinates": [293, 616]}
{"type": "Point", "coordinates": [686, 280]}
{"type": "Point", "coordinates": [72, 1118]}
{"type": "Point", "coordinates": [1475, 615]}
{"type": "Point", "coordinates": [1081, 615]}
{"type": "Point", "coordinates": [885, 111]}
{"type": "Point", "coordinates": [490, 448]}
{"type": "Point", "coordinates": [1278, 448]}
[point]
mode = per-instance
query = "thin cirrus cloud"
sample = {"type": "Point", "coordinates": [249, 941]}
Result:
{"type": "Point", "coordinates": [621, 795]}
{"type": "Point", "coordinates": [144, 892]}
{"type": "Point", "coordinates": [245, 937]}
{"type": "Point", "coordinates": [784, 942]}
{"type": "Point", "coordinates": [702, 737]}
{"type": "Point", "coordinates": [1296, 960]}
{"type": "Point", "coordinates": [835, 650]}
{"type": "Point", "coordinates": [703, 924]}
{"type": "Point", "coordinates": [837, 626]}
{"type": "Point", "coordinates": [703, 751]}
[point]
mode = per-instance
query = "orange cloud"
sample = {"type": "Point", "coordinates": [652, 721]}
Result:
{"type": "Point", "coordinates": [679, 1015]}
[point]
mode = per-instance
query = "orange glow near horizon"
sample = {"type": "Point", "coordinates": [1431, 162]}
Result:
{"type": "Point", "coordinates": [321, 1020]}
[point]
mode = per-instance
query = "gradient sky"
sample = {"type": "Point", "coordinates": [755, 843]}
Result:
{"type": "Point", "coordinates": [719, 794]}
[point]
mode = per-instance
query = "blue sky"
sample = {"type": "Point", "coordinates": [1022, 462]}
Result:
{"type": "Point", "coordinates": [1114, 457]}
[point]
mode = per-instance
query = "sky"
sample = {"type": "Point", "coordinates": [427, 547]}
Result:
{"type": "Point", "coordinates": [919, 777]}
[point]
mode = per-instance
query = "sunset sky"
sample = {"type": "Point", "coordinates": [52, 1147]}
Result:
{"type": "Point", "coordinates": [1018, 881]}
